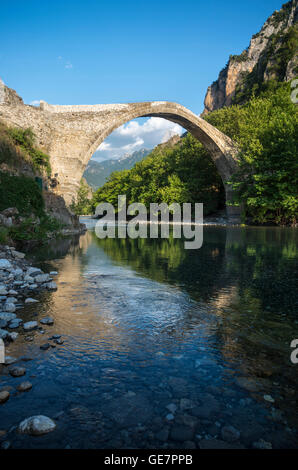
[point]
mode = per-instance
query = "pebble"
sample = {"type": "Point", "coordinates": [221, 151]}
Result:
{"type": "Point", "coordinates": [47, 321]}
{"type": "Point", "coordinates": [45, 346]}
{"type": "Point", "coordinates": [269, 398]}
{"type": "Point", "coordinates": [230, 434]}
{"type": "Point", "coordinates": [29, 300]}
{"type": "Point", "coordinates": [4, 396]}
{"type": "Point", "coordinates": [17, 371]}
{"type": "Point", "coordinates": [30, 325]}
{"type": "Point", "coordinates": [36, 425]}
{"type": "Point", "coordinates": [261, 444]}
{"type": "Point", "coordinates": [24, 386]}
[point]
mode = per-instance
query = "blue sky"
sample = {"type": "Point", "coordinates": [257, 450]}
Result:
{"type": "Point", "coordinates": [87, 52]}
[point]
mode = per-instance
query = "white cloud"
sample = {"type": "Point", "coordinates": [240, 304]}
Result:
{"type": "Point", "coordinates": [35, 103]}
{"type": "Point", "coordinates": [68, 65]}
{"type": "Point", "coordinates": [136, 135]}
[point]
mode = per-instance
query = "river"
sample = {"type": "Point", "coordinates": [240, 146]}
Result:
{"type": "Point", "coordinates": [164, 347]}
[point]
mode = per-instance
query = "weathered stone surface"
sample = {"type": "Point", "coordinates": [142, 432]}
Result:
{"type": "Point", "coordinates": [24, 386]}
{"type": "Point", "coordinates": [222, 91]}
{"type": "Point", "coordinates": [37, 425]}
{"type": "Point", "coordinates": [30, 325]}
{"type": "Point", "coordinates": [71, 134]}
{"type": "Point", "coordinates": [4, 396]}
{"type": "Point", "coordinates": [16, 371]}
{"type": "Point", "coordinates": [47, 321]}
{"type": "Point", "coordinates": [5, 264]}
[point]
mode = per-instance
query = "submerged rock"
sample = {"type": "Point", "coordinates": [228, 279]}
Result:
{"type": "Point", "coordinates": [230, 434]}
{"type": "Point", "coordinates": [24, 386]}
{"type": "Point", "coordinates": [4, 396]}
{"type": "Point", "coordinates": [30, 325]}
{"type": "Point", "coordinates": [17, 371]}
{"type": "Point", "coordinates": [47, 321]}
{"type": "Point", "coordinates": [37, 425]}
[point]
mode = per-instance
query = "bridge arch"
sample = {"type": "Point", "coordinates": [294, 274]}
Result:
{"type": "Point", "coordinates": [71, 134]}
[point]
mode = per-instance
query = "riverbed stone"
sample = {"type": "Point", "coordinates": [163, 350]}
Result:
{"type": "Point", "coordinates": [29, 300]}
{"type": "Point", "coordinates": [3, 290]}
{"type": "Point", "coordinates": [3, 334]}
{"type": "Point", "coordinates": [3, 323]}
{"type": "Point", "coordinates": [4, 396]}
{"type": "Point", "coordinates": [9, 307]}
{"type": "Point", "coordinates": [230, 434]}
{"type": "Point", "coordinates": [17, 371]}
{"type": "Point", "coordinates": [24, 386]}
{"type": "Point", "coordinates": [51, 285]}
{"type": "Point", "coordinates": [181, 433]}
{"type": "Point", "coordinates": [32, 271]}
{"type": "Point", "coordinates": [5, 264]}
{"type": "Point", "coordinates": [47, 321]}
{"type": "Point", "coordinates": [30, 325]}
{"type": "Point", "coordinates": [41, 278]}
{"type": "Point", "coordinates": [7, 316]}
{"type": "Point", "coordinates": [37, 425]}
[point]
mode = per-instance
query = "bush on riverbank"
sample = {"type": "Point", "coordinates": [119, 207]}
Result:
{"type": "Point", "coordinates": [32, 222]}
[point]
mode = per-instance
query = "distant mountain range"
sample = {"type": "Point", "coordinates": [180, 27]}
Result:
{"type": "Point", "coordinates": [96, 173]}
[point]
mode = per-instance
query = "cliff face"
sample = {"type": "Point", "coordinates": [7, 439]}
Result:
{"type": "Point", "coordinates": [272, 54]}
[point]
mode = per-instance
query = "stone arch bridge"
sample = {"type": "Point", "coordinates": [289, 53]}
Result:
{"type": "Point", "coordinates": [71, 134]}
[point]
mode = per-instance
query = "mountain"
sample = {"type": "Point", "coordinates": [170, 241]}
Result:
{"type": "Point", "coordinates": [271, 55]}
{"type": "Point", "coordinates": [96, 173]}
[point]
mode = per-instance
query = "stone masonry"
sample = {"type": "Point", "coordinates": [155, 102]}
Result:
{"type": "Point", "coordinates": [71, 134]}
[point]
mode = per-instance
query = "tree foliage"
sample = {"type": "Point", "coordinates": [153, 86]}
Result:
{"type": "Point", "coordinates": [267, 133]}
{"type": "Point", "coordinates": [183, 173]}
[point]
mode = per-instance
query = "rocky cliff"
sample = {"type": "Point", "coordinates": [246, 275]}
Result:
{"type": "Point", "coordinates": [271, 54]}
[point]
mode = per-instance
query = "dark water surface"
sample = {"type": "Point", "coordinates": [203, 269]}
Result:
{"type": "Point", "coordinates": [147, 324]}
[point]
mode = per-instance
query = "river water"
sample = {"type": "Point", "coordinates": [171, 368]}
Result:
{"type": "Point", "coordinates": [163, 347]}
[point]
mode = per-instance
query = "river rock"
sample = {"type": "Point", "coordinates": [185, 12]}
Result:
{"type": "Point", "coordinates": [13, 336]}
{"type": "Point", "coordinates": [30, 325]}
{"type": "Point", "coordinates": [261, 444]}
{"type": "Point", "coordinates": [3, 323]}
{"type": "Point", "coordinates": [51, 285]}
{"type": "Point", "coordinates": [37, 425]}
{"type": "Point", "coordinates": [10, 307]}
{"type": "Point", "coordinates": [47, 321]}
{"type": "Point", "coordinates": [53, 273]}
{"type": "Point", "coordinates": [230, 434]}
{"type": "Point", "coordinates": [3, 334]}
{"type": "Point", "coordinates": [10, 360]}
{"type": "Point", "coordinates": [15, 323]}
{"type": "Point", "coordinates": [5, 264]}
{"type": "Point", "coordinates": [3, 290]}
{"type": "Point", "coordinates": [29, 300]}
{"type": "Point", "coordinates": [41, 278]}
{"type": "Point", "coordinates": [17, 371]}
{"type": "Point", "coordinates": [4, 396]}
{"type": "Point", "coordinates": [18, 254]}
{"type": "Point", "coordinates": [33, 271]}
{"type": "Point", "coordinates": [24, 386]}
{"type": "Point", "coordinates": [7, 316]}
{"type": "Point", "coordinates": [45, 346]}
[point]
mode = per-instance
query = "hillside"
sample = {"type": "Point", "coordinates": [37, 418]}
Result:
{"type": "Point", "coordinates": [97, 173]}
{"type": "Point", "coordinates": [270, 56]}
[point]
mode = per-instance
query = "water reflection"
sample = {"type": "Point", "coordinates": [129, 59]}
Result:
{"type": "Point", "coordinates": [147, 323]}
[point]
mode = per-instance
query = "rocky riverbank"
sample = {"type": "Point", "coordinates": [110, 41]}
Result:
{"type": "Point", "coordinates": [19, 283]}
